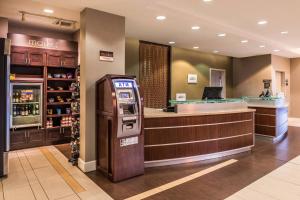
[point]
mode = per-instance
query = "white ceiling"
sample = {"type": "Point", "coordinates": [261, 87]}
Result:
{"type": "Point", "coordinates": [237, 18]}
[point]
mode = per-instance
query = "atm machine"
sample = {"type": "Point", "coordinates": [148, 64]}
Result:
{"type": "Point", "coordinates": [119, 127]}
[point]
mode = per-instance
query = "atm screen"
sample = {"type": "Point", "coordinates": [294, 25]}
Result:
{"type": "Point", "coordinates": [123, 84]}
{"type": "Point", "coordinates": [124, 95]}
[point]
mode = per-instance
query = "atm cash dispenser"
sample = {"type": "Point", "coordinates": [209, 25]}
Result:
{"type": "Point", "coordinates": [119, 127]}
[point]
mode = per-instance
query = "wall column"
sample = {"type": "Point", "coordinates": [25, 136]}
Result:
{"type": "Point", "coordinates": [3, 27]}
{"type": "Point", "coordinates": [98, 31]}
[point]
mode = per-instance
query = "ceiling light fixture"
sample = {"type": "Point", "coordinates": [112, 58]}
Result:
{"type": "Point", "coordinates": [207, 1]}
{"type": "Point", "coordinates": [67, 23]}
{"type": "Point", "coordinates": [195, 27]}
{"type": "Point", "coordinates": [171, 42]}
{"type": "Point", "coordinates": [161, 17]}
{"type": "Point", "coordinates": [262, 46]}
{"type": "Point", "coordinates": [221, 35]}
{"type": "Point", "coordinates": [284, 32]}
{"type": "Point", "coordinates": [49, 11]}
{"type": "Point", "coordinates": [262, 22]}
{"type": "Point", "coordinates": [215, 51]}
{"type": "Point", "coordinates": [244, 41]}
{"type": "Point", "coordinates": [276, 50]}
{"type": "Point", "coordinates": [196, 47]}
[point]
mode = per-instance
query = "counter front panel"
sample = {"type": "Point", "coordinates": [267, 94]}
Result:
{"type": "Point", "coordinates": [188, 136]}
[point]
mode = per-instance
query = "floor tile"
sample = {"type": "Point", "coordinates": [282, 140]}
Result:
{"type": "Point", "coordinates": [276, 188]}
{"type": "Point", "coordinates": [53, 184]}
{"type": "Point", "coordinates": [36, 158]}
{"type": "Point", "coordinates": [19, 193]}
{"type": "Point", "coordinates": [72, 197]}
{"type": "Point", "coordinates": [38, 191]}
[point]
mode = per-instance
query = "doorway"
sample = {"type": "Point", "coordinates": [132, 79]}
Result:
{"type": "Point", "coordinates": [280, 89]}
{"type": "Point", "coordinates": [217, 78]}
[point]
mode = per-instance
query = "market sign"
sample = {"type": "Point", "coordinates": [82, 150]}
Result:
{"type": "Point", "coordinates": [42, 42]}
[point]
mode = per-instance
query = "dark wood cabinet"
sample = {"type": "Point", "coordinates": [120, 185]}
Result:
{"type": "Point", "coordinates": [26, 138]}
{"type": "Point", "coordinates": [36, 58]}
{"type": "Point", "coordinates": [18, 139]}
{"type": "Point", "coordinates": [19, 57]}
{"type": "Point", "coordinates": [36, 137]}
{"type": "Point", "coordinates": [53, 136]}
{"type": "Point", "coordinates": [54, 60]}
{"type": "Point", "coordinates": [58, 135]}
{"type": "Point", "coordinates": [69, 60]}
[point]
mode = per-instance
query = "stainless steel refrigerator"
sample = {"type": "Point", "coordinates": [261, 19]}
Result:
{"type": "Point", "coordinates": [4, 104]}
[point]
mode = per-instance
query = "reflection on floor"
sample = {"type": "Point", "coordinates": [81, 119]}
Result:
{"type": "Point", "coordinates": [44, 173]}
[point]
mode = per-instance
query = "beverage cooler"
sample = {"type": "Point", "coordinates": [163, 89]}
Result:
{"type": "Point", "coordinates": [26, 105]}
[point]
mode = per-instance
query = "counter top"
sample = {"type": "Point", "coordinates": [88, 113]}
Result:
{"type": "Point", "coordinates": [157, 113]}
{"type": "Point", "coordinates": [267, 106]}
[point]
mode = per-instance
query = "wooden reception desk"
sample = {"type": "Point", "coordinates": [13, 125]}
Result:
{"type": "Point", "coordinates": [271, 117]}
{"type": "Point", "coordinates": [173, 138]}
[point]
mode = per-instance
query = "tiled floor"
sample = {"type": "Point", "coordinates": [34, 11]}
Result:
{"type": "Point", "coordinates": [282, 183]}
{"type": "Point", "coordinates": [295, 122]}
{"type": "Point", "coordinates": [44, 173]}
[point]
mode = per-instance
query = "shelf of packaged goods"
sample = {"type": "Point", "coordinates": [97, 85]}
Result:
{"type": "Point", "coordinates": [25, 103]}
{"type": "Point", "coordinates": [59, 115]}
{"type": "Point", "coordinates": [75, 114]}
{"type": "Point", "coordinates": [21, 116]}
{"type": "Point", "coordinates": [56, 127]}
{"type": "Point", "coordinates": [61, 79]}
{"type": "Point", "coordinates": [58, 103]}
{"type": "Point", "coordinates": [59, 91]}
{"type": "Point", "coordinates": [68, 67]}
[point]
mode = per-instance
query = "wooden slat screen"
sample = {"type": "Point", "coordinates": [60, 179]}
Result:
{"type": "Point", "coordinates": [154, 74]}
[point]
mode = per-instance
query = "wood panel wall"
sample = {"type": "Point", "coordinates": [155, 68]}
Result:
{"type": "Point", "coordinates": [155, 74]}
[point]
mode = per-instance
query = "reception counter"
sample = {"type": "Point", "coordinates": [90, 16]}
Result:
{"type": "Point", "coordinates": [173, 138]}
{"type": "Point", "coordinates": [271, 116]}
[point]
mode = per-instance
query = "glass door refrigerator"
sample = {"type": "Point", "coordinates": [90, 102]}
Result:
{"type": "Point", "coordinates": [4, 104]}
{"type": "Point", "coordinates": [26, 105]}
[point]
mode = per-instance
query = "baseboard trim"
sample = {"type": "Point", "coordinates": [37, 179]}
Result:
{"type": "Point", "coordinates": [87, 166]}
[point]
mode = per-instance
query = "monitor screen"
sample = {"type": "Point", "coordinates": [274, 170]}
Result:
{"type": "Point", "coordinates": [212, 93]}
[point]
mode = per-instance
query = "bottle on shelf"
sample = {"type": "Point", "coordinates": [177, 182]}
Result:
{"type": "Point", "coordinates": [14, 97]}
{"type": "Point", "coordinates": [33, 110]}
{"type": "Point", "coordinates": [22, 111]}
{"type": "Point", "coordinates": [37, 109]}
{"type": "Point", "coordinates": [14, 110]}
{"type": "Point", "coordinates": [26, 110]}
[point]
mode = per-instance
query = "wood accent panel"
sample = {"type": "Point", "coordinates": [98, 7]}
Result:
{"type": "Point", "coordinates": [271, 121]}
{"type": "Point", "coordinates": [218, 133]}
{"type": "Point", "coordinates": [195, 120]}
{"type": "Point", "coordinates": [164, 136]}
{"type": "Point", "coordinates": [155, 74]}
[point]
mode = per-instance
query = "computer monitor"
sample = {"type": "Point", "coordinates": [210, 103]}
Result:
{"type": "Point", "coordinates": [212, 93]}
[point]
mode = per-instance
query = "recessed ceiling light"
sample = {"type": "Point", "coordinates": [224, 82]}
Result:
{"type": "Point", "coordinates": [196, 47]}
{"type": "Point", "coordinates": [195, 27]}
{"type": "Point", "coordinates": [207, 0]}
{"type": "Point", "coordinates": [221, 35]}
{"type": "Point", "coordinates": [276, 50]}
{"type": "Point", "coordinates": [284, 32]}
{"type": "Point", "coordinates": [215, 51]}
{"type": "Point", "coordinates": [161, 17]}
{"type": "Point", "coordinates": [46, 10]}
{"type": "Point", "coordinates": [244, 41]}
{"type": "Point", "coordinates": [262, 46]}
{"type": "Point", "coordinates": [262, 22]}
{"type": "Point", "coordinates": [171, 42]}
